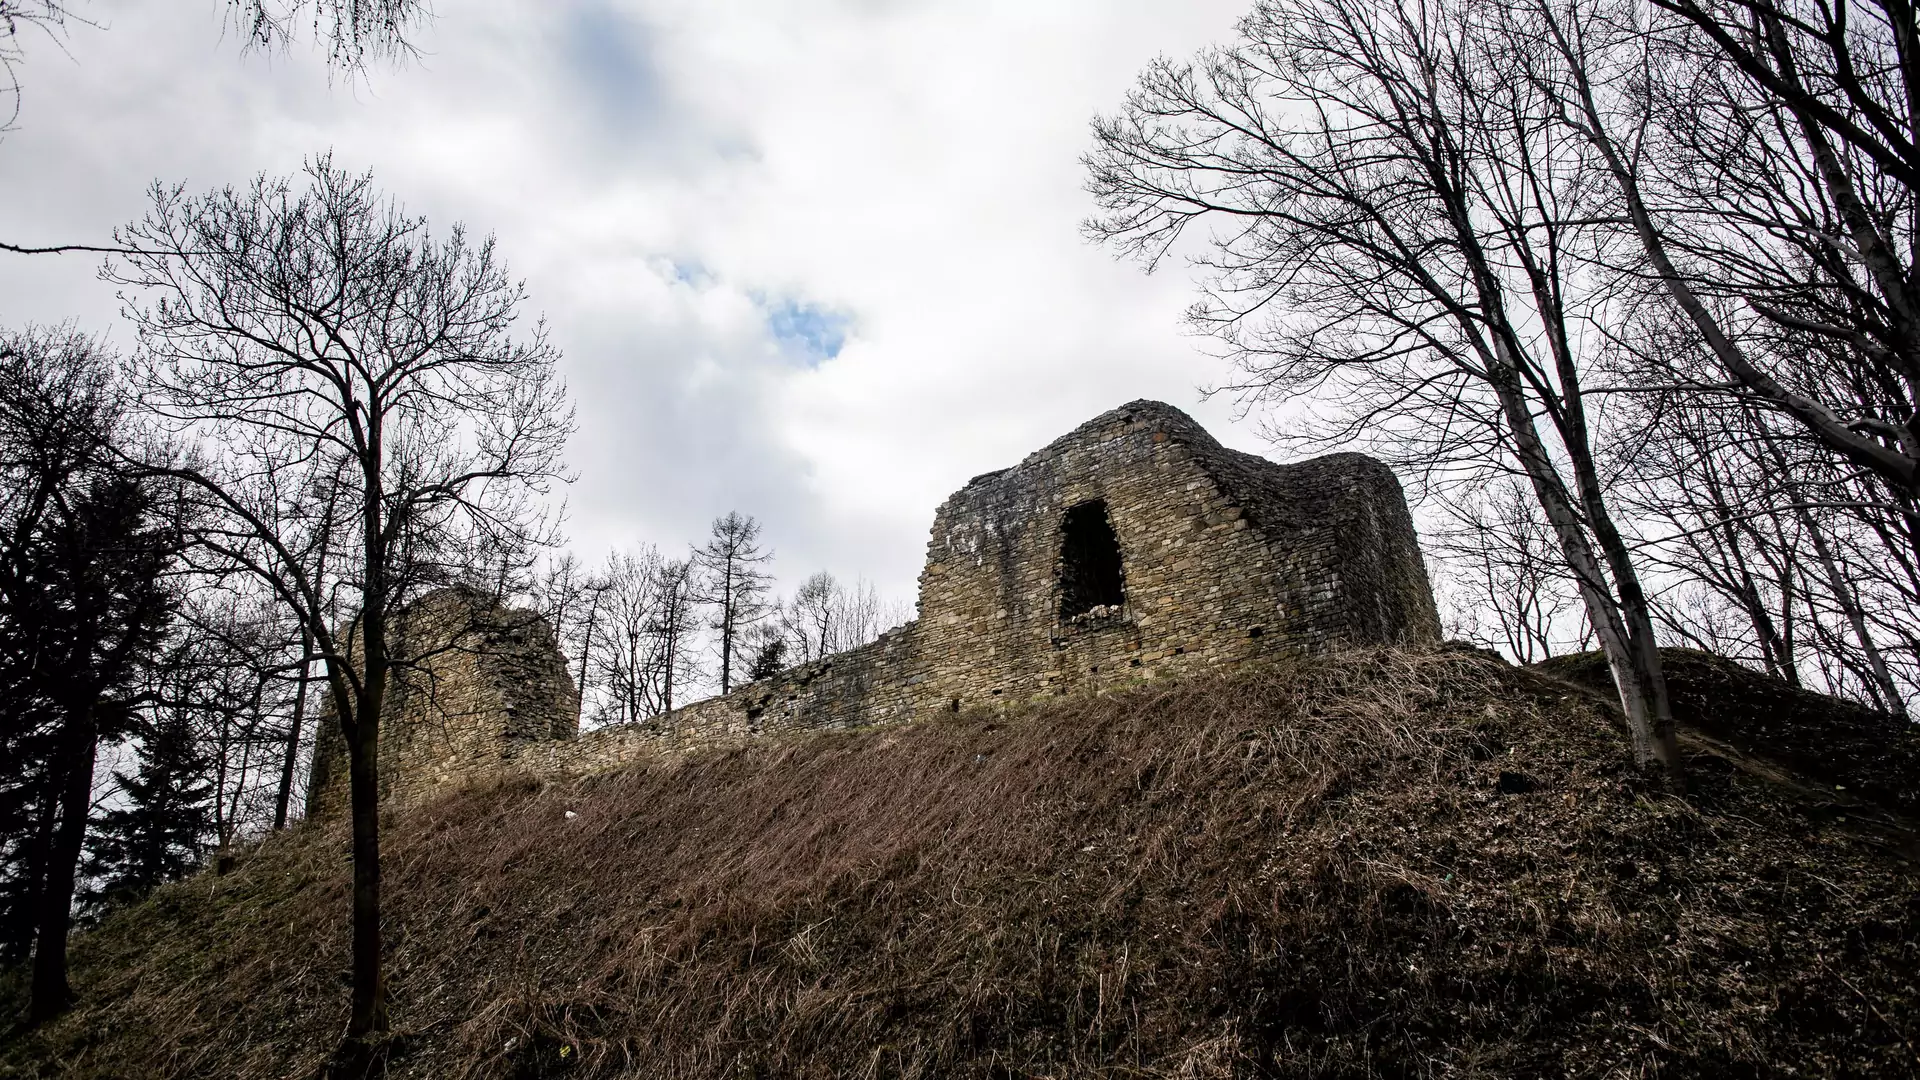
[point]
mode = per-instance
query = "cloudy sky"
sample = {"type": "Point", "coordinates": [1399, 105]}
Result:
{"type": "Point", "coordinates": [815, 260]}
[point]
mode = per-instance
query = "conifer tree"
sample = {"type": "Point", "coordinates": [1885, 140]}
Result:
{"type": "Point", "coordinates": [159, 833]}
{"type": "Point", "coordinates": [86, 545]}
{"type": "Point", "coordinates": [770, 660]}
{"type": "Point", "coordinates": [735, 584]}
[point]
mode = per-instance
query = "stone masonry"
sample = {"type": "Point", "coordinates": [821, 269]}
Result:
{"type": "Point", "coordinates": [479, 684]}
{"type": "Point", "coordinates": [1135, 547]}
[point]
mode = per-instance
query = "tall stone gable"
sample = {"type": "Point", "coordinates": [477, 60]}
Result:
{"type": "Point", "coordinates": [1133, 548]}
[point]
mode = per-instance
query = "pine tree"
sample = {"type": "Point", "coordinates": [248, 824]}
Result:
{"type": "Point", "coordinates": [86, 548]}
{"type": "Point", "coordinates": [771, 660]}
{"type": "Point", "coordinates": [159, 832]}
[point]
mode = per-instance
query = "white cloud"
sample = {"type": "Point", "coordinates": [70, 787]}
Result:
{"type": "Point", "coordinates": [700, 194]}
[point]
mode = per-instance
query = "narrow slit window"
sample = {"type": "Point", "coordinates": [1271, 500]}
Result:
{"type": "Point", "coordinates": [1090, 571]}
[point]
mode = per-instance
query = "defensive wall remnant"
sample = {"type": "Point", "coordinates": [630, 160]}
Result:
{"type": "Point", "coordinates": [483, 682]}
{"type": "Point", "coordinates": [1132, 548]}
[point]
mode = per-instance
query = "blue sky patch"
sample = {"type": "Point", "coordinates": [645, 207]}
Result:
{"type": "Point", "coordinates": [817, 333]}
{"type": "Point", "coordinates": [690, 272]}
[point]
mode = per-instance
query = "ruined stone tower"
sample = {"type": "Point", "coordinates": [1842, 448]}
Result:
{"type": "Point", "coordinates": [483, 682]}
{"type": "Point", "coordinates": [1137, 545]}
{"type": "Point", "coordinates": [1132, 548]}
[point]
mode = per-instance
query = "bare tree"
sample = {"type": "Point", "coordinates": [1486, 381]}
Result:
{"type": "Point", "coordinates": [733, 584]}
{"type": "Point", "coordinates": [864, 614]}
{"type": "Point", "coordinates": [622, 655]}
{"type": "Point", "coordinates": [1763, 526]}
{"type": "Point", "coordinates": [811, 619]}
{"type": "Point", "coordinates": [646, 651]}
{"type": "Point", "coordinates": [573, 602]}
{"type": "Point", "coordinates": [559, 589]}
{"type": "Point", "coordinates": [1762, 158]}
{"type": "Point", "coordinates": [673, 627]}
{"type": "Point", "coordinates": [1401, 234]}
{"type": "Point", "coordinates": [233, 675]}
{"type": "Point", "coordinates": [1505, 572]}
{"type": "Point", "coordinates": [329, 508]}
{"type": "Point", "coordinates": [825, 616]}
{"type": "Point", "coordinates": [1757, 164]}
{"type": "Point", "coordinates": [303, 335]}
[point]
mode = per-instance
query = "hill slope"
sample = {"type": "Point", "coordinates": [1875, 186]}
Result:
{"type": "Point", "coordinates": [1378, 864]}
{"type": "Point", "coordinates": [1819, 738]}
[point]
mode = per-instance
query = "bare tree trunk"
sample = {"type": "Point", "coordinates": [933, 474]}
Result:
{"type": "Point", "coordinates": [290, 760]}
{"type": "Point", "coordinates": [727, 601]}
{"type": "Point", "coordinates": [586, 647]}
{"type": "Point", "coordinates": [46, 822]}
{"type": "Point", "coordinates": [1777, 656]}
{"type": "Point", "coordinates": [672, 659]}
{"type": "Point", "coordinates": [239, 790]}
{"type": "Point", "coordinates": [367, 1023]}
{"type": "Point", "coordinates": [303, 683]}
{"type": "Point", "coordinates": [51, 993]}
{"type": "Point", "coordinates": [359, 715]}
{"type": "Point", "coordinates": [1641, 692]}
{"type": "Point", "coordinates": [1657, 743]}
{"type": "Point", "coordinates": [369, 1014]}
{"type": "Point", "coordinates": [1849, 603]}
{"type": "Point", "coordinates": [1654, 740]}
{"type": "Point", "coordinates": [1844, 595]}
{"type": "Point", "coordinates": [222, 746]}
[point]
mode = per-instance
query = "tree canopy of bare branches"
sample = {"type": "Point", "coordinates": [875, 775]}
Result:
{"type": "Point", "coordinates": [344, 377]}
{"type": "Point", "coordinates": [1764, 154]}
{"type": "Point", "coordinates": [1398, 228]}
{"type": "Point", "coordinates": [353, 32]}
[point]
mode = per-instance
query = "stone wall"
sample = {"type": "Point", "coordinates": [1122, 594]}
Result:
{"type": "Point", "coordinates": [872, 684]}
{"type": "Point", "coordinates": [1223, 558]}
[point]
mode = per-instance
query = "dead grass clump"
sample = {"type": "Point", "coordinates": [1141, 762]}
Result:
{"type": "Point", "coordinates": [1378, 863]}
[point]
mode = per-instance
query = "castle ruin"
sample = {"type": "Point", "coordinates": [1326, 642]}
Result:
{"type": "Point", "coordinates": [1135, 547]}
{"type": "Point", "coordinates": [481, 682]}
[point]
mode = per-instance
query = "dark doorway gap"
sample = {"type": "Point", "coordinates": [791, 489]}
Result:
{"type": "Point", "coordinates": [1091, 575]}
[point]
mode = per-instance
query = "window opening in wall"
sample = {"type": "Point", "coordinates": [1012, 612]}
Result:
{"type": "Point", "coordinates": [1090, 571]}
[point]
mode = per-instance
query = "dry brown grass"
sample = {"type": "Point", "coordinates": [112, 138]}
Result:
{"type": "Point", "coordinates": [1382, 863]}
{"type": "Point", "coordinates": [1871, 754]}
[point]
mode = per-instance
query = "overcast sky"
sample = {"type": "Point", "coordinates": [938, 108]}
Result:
{"type": "Point", "coordinates": [815, 260]}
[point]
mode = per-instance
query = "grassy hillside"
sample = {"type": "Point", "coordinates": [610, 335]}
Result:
{"type": "Point", "coordinates": [1383, 864]}
{"type": "Point", "coordinates": [1869, 754]}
